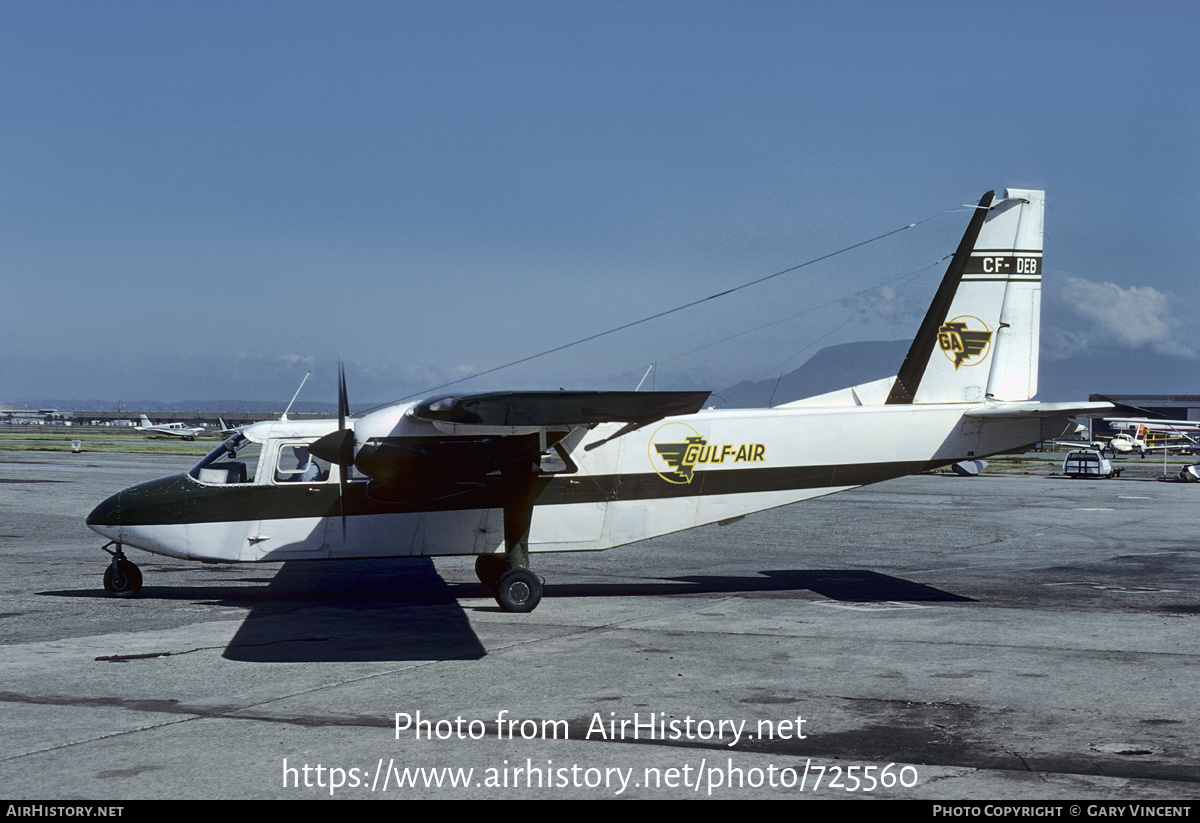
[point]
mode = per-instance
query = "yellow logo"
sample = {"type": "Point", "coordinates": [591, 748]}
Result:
{"type": "Point", "coordinates": [682, 456]}
{"type": "Point", "coordinates": [962, 344]}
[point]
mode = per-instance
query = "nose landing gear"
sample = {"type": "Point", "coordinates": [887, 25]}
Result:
{"type": "Point", "coordinates": [122, 578]}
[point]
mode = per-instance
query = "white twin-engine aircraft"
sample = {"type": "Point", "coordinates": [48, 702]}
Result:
{"type": "Point", "coordinates": [1126, 443]}
{"type": "Point", "coordinates": [505, 474]}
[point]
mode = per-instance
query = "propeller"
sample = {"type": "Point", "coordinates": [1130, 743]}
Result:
{"type": "Point", "coordinates": [338, 447]}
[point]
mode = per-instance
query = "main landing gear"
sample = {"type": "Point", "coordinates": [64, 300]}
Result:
{"type": "Point", "coordinates": [515, 590]}
{"type": "Point", "coordinates": [507, 576]}
{"type": "Point", "coordinates": [122, 578]}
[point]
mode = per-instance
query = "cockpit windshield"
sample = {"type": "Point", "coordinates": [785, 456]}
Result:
{"type": "Point", "coordinates": [234, 461]}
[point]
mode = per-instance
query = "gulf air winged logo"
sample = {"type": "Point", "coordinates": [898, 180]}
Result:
{"type": "Point", "coordinates": [681, 457]}
{"type": "Point", "coordinates": [675, 449]}
{"type": "Point", "coordinates": [963, 340]}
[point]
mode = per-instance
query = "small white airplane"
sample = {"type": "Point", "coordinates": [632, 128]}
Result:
{"type": "Point", "coordinates": [169, 429]}
{"type": "Point", "coordinates": [504, 475]}
{"type": "Point", "coordinates": [1186, 430]}
{"type": "Point", "coordinates": [1135, 443]}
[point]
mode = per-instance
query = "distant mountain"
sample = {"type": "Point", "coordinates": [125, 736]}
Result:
{"type": "Point", "coordinates": [1115, 371]}
{"type": "Point", "coordinates": [832, 368]}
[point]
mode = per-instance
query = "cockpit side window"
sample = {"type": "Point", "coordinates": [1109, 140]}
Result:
{"type": "Point", "coordinates": [294, 464]}
{"type": "Point", "coordinates": [233, 462]}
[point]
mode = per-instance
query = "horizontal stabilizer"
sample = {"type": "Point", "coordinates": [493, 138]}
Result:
{"type": "Point", "coordinates": [558, 408]}
{"type": "Point", "coordinates": [1029, 409]}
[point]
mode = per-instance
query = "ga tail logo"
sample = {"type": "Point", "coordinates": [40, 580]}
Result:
{"type": "Point", "coordinates": [964, 340]}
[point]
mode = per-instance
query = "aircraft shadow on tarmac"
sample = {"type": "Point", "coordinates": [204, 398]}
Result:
{"type": "Point", "coordinates": [849, 585]}
{"type": "Point", "coordinates": [370, 611]}
{"type": "Point", "coordinates": [356, 611]}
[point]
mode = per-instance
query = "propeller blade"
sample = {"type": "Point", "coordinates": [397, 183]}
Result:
{"type": "Point", "coordinates": [343, 403]}
{"type": "Point", "coordinates": [342, 499]}
{"type": "Point", "coordinates": [338, 447]}
{"type": "Point", "coordinates": [346, 450]}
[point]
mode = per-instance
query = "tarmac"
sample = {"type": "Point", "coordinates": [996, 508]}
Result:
{"type": "Point", "coordinates": [1002, 637]}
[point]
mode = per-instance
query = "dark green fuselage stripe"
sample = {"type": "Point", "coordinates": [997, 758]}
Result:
{"type": "Point", "coordinates": [179, 499]}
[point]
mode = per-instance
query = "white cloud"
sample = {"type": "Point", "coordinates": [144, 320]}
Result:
{"type": "Point", "coordinates": [296, 360]}
{"type": "Point", "coordinates": [874, 305]}
{"type": "Point", "coordinates": [1139, 317]}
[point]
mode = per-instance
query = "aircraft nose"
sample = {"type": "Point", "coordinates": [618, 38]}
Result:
{"type": "Point", "coordinates": [105, 518]}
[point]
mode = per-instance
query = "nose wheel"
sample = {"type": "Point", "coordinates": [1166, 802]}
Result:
{"type": "Point", "coordinates": [122, 578]}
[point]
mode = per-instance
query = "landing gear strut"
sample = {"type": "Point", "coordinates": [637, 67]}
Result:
{"type": "Point", "coordinates": [517, 589]}
{"type": "Point", "coordinates": [122, 578]}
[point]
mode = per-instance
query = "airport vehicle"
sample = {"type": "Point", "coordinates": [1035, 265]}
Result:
{"type": "Point", "coordinates": [505, 474]}
{"type": "Point", "coordinates": [169, 429]}
{"type": "Point", "coordinates": [1088, 463]}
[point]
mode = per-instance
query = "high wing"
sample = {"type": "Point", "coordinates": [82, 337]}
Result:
{"type": "Point", "coordinates": [452, 444]}
{"type": "Point", "coordinates": [544, 409]}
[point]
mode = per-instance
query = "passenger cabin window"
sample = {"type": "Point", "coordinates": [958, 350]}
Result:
{"type": "Point", "coordinates": [294, 464]}
{"type": "Point", "coordinates": [233, 462]}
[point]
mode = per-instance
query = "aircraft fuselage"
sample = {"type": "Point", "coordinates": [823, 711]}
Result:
{"type": "Point", "coordinates": [675, 474]}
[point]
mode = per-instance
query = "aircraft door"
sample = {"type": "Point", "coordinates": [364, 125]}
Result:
{"type": "Point", "coordinates": [296, 495]}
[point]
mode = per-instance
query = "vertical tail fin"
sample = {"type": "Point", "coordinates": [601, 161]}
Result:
{"type": "Point", "coordinates": [979, 339]}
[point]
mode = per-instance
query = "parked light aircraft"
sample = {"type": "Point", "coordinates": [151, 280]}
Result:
{"type": "Point", "coordinates": [1135, 443]}
{"type": "Point", "coordinates": [1186, 430]}
{"type": "Point", "coordinates": [169, 429]}
{"type": "Point", "coordinates": [502, 475]}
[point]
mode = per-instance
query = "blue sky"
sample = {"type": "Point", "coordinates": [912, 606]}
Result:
{"type": "Point", "coordinates": [207, 200]}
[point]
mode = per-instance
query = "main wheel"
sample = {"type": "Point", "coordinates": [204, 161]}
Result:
{"type": "Point", "coordinates": [124, 581]}
{"type": "Point", "coordinates": [489, 568]}
{"type": "Point", "coordinates": [519, 590]}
